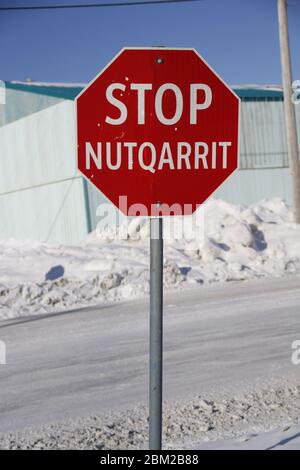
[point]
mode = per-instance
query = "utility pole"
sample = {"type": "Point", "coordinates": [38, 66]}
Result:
{"type": "Point", "coordinates": [289, 107]}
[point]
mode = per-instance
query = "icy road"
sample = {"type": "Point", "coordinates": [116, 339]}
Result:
{"type": "Point", "coordinates": [79, 363]}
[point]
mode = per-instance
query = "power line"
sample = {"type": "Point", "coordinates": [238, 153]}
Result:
{"type": "Point", "coordinates": [97, 5]}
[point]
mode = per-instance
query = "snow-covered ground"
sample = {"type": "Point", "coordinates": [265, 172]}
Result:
{"type": "Point", "coordinates": [284, 438]}
{"type": "Point", "coordinates": [189, 424]}
{"type": "Point", "coordinates": [230, 243]}
{"type": "Point", "coordinates": [80, 379]}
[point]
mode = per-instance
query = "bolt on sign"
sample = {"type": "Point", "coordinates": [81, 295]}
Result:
{"type": "Point", "coordinates": [157, 131]}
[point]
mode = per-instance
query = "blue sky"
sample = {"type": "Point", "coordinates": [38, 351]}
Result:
{"type": "Point", "coordinates": [238, 38]}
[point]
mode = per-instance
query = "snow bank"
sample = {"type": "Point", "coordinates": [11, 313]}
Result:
{"type": "Point", "coordinates": [223, 242]}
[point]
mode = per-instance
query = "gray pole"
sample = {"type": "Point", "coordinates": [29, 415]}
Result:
{"type": "Point", "coordinates": [156, 333]}
{"type": "Point", "coordinates": [289, 107]}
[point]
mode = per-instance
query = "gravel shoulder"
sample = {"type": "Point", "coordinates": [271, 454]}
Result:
{"type": "Point", "coordinates": [187, 423]}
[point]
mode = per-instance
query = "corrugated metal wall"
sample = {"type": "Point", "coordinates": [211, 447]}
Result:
{"type": "Point", "coordinates": [263, 140]}
{"type": "Point", "coordinates": [51, 213]}
{"type": "Point", "coordinates": [20, 103]}
{"type": "Point", "coordinates": [41, 192]}
{"type": "Point", "coordinates": [263, 155]}
{"type": "Point", "coordinates": [250, 186]}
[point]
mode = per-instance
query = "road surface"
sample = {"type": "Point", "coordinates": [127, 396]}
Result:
{"type": "Point", "coordinates": [90, 361]}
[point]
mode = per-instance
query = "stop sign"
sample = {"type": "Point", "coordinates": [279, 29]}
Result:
{"type": "Point", "coordinates": [157, 131]}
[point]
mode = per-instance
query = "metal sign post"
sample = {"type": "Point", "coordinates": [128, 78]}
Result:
{"type": "Point", "coordinates": [156, 333]}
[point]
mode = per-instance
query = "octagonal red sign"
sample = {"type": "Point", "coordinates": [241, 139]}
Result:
{"type": "Point", "coordinates": [157, 131]}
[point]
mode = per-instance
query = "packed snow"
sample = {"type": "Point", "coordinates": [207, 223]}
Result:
{"type": "Point", "coordinates": [222, 242]}
{"type": "Point", "coordinates": [282, 438]}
